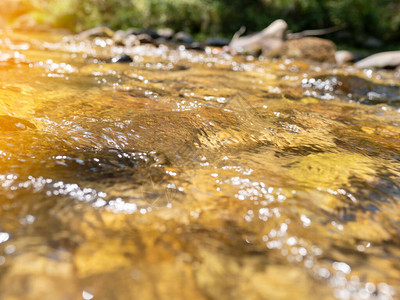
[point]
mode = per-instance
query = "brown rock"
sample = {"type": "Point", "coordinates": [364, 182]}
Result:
{"type": "Point", "coordinates": [310, 48]}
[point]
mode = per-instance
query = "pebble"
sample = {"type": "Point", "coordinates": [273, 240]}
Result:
{"type": "Point", "coordinates": [166, 33]}
{"type": "Point", "coordinates": [183, 37]}
{"type": "Point", "coordinates": [217, 42]}
{"type": "Point", "coordinates": [123, 58]}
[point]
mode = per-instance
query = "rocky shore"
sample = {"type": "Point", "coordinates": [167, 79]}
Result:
{"type": "Point", "coordinates": [275, 41]}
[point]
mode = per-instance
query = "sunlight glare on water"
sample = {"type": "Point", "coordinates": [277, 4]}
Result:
{"type": "Point", "coordinates": [194, 175]}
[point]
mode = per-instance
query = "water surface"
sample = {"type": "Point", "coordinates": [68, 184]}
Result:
{"type": "Point", "coordinates": [194, 175]}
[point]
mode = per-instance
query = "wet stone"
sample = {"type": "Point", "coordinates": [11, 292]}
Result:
{"type": "Point", "coordinates": [195, 46]}
{"type": "Point", "coordinates": [123, 58]}
{"type": "Point", "coordinates": [145, 38]}
{"type": "Point", "coordinates": [217, 42]}
{"type": "Point", "coordinates": [183, 37]}
{"type": "Point", "coordinates": [150, 32]}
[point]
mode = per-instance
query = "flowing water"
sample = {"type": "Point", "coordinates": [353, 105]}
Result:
{"type": "Point", "coordinates": [194, 175]}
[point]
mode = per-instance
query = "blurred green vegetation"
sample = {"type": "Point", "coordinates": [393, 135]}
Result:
{"type": "Point", "coordinates": [363, 19]}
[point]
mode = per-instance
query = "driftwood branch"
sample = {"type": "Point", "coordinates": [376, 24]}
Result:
{"type": "Point", "coordinates": [314, 32]}
{"type": "Point", "coordinates": [271, 39]}
{"type": "Point", "coordinates": [239, 33]}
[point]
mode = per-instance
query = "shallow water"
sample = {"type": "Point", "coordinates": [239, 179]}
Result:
{"type": "Point", "coordinates": [191, 175]}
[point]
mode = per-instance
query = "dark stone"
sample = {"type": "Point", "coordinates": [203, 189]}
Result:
{"type": "Point", "coordinates": [139, 31]}
{"type": "Point", "coordinates": [183, 37]}
{"type": "Point", "coordinates": [217, 42]}
{"type": "Point", "coordinates": [152, 33]}
{"type": "Point", "coordinates": [195, 46]}
{"type": "Point", "coordinates": [162, 40]}
{"type": "Point", "coordinates": [123, 58]}
{"type": "Point", "coordinates": [149, 32]}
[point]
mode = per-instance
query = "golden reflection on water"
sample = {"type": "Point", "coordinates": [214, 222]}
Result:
{"type": "Point", "coordinates": [189, 175]}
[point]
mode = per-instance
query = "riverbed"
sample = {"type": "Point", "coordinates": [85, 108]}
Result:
{"type": "Point", "coordinates": [194, 174]}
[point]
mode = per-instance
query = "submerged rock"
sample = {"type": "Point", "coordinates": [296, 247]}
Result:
{"type": "Point", "coordinates": [353, 87]}
{"type": "Point", "coordinates": [8, 123]}
{"type": "Point", "coordinates": [328, 169]}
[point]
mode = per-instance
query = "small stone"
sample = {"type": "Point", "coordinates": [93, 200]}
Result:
{"type": "Point", "coordinates": [131, 41]}
{"type": "Point", "coordinates": [152, 33]}
{"type": "Point", "coordinates": [195, 46]}
{"type": "Point", "coordinates": [162, 40]}
{"type": "Point", "coordinates": [268, 40]}
{"type": "Point", "coordinates": [166, 33]}
{"type": "Point", "coordinates": [123, 58]}
{"type": "Point", "coordinates": [344, 56]}
{"type": "Point", "coordinates": [119, 37]}
{"type": "Point", "coordinates": [217, 42]}
{"type": "Point", "coordinates": [96, 32]}
{"type": "Point", "coordinates": [145, 38]}
{"type": "Point", "coordinates": [183, 37]}
{"type": "Point", "coordinates": [133, 31]}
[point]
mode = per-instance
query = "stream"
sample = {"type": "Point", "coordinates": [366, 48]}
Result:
{"type": "Point", "coordinates": [194, 175]}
